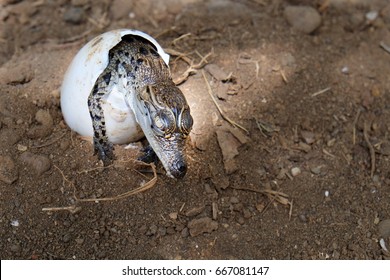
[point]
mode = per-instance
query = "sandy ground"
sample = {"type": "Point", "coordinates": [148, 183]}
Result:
{"type": "Point", "coordinates": [310, 179]}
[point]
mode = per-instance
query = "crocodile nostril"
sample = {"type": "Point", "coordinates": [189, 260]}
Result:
{"type": "Point", "coordinates": [180, 169]}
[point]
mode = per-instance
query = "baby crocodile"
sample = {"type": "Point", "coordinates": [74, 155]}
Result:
{"type": "Point", "coordinates": [160, 108]}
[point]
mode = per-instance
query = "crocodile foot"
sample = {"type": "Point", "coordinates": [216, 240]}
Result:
{"type": "Point", "coordinates": [148, 156]}
{"type": "Point", "coordinates": [105, 152]}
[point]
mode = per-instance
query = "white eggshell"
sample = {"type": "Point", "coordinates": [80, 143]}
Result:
{"type": "Point", "coordinates": [79, 80]}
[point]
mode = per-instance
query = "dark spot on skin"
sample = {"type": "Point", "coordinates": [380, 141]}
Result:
{"type": "Point", "coordinates": [107, 77]}
{"type": "Point", "coordinates": [135, 68]}
{"type": "Point", "coordinates": [127, 54]}
{"type": "Point", "coordinates": [103, 132]}
{"type": "Point", "coordinates": [131, 75]}
{"type": "Point", "coordinates": [140, 61]}
{"type": "Point", "coordinates": [128, 38]}
{"type": "Point", "coordinates": [96, 134]}
{"type": "Point", "coordinates": [101, 141]}
{"type": "Point", "coordinates": [117, 62]}
{"type": "Point", "coordinates": [132, 60]}
{"type": "Point", "coordinates": [95, 89]}
{"type": "Point", "coordinates": [145, 41]}
{"type": "Point", "coordinates": [120, 76]}
{"type": "Point", "coordinates": [143, 51]}
{"type": "Point", "coordinates": [120, 52]}
{"type": "Point", "coordinates": [154, 53]}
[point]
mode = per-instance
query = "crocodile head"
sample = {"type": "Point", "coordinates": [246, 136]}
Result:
{"type": "Point", "coordinates": [164, 116]}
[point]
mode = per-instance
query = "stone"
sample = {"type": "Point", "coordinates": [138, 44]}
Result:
{"type": "Point", "coordinates": [39, 164]}
{"type": "Point", "coordinates": [74, 15]}
{"type": "Point", "coordinates": [202, 225]}
{"type": "Point", "coordinates": [120, 9]}
{"type": "Point", "coordinates": [8, 170]}
{"type": "Point", "coordinates": [305, 19]}
{"type": "Point", "coordinates": [295, 171]}
{"type": "Point", "coordinates": [384, 228]}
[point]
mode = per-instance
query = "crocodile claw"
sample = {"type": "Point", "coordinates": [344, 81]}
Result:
{"type": "Point", "coordinates": [105, 152]}
{"type": "Point", "coordinates": [148, 156]}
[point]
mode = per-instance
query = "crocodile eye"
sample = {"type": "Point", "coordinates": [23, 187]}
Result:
{"type": "Point", "coordinates": [164, 122]}
{"type": "Point", "coordinates": [185, 122]}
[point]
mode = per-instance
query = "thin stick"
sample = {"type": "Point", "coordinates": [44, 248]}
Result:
{"type": "Point", "coordinates": [283, 76]}
{"type": "Point", "coordinates": [74, 208]}
{"type": "Point", "coordinates": [370, 148]}
{"type": "Point", "coordinates": [291, 207]}
{"type": "Point", "coordinates": [328, 154]}
{"type": "Point", "coordinates": [174, 42]}
{"type": "Point", "coordinates": [354, 126]}
{"type": "Point", "coordinates": [384, 46]}
{"type": "Point", "coordinates": [49, 143]}
{"type": "Point", "coordinates": [280, 197]}
{"type": "Point", "coordinates": [233, 123]}
{"type": "Point", "coordinates": [321, 91]}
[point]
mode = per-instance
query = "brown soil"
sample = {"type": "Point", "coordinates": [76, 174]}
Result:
{"type": "Point", "coordinates": [303, 142]}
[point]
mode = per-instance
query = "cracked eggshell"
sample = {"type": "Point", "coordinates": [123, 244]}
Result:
{"type": "Point", "coordinates": [81, 76]}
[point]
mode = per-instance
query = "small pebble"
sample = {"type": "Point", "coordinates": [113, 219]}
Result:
{"type": "Point", "coordinates": [345, 70]}
{"type": "Point", "coordinates": [162, 231]}
{"type": "Point", "coordinates": [382, 243]}
{"type": "Point", "coordinates": [79, 241]}
{"type": "Point", "coordinates": [15, 248]}
{"type": "Point", "coordinates": [21, 148]}
{"type": "Point", "coordinates": [316, 170]}
{"type": "Point", "coordinates": [302, 218]}
{"type": "Point", "coordinates": [195, 211]}
{"type": "Point", "coordinates": [185, 233]}
{"type": "Point", "coordinates": [308, 137]}
{"type": "Point", "coordinates": [173, 215]}
{"type": "Point", "coordinates": [15, 223]}
{"type": "Point", "coordinates": [74, 15]}
{"type": "Point", "coordinates": [202, 225]}
{"type": "Point", "coordinates": [326, 193]}
{"type": "Point", "coordinates": [38, 163]}
{"type": "Point", "coordinates": [372, 15]}
{"type": "Point", "coordinates": [295, 171]}
{"type": "Point", "coordinates": [384, 228]}
{"type": "Point", "coordinates": [305, 19]}
{"type": "Point", "coordinates": [66, 238]}
{"type": "Point", "coordinates": [8, 170]}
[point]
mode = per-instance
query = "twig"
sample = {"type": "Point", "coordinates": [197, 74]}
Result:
{"type": "Point", "coordinates": [321, 91]}
{"type": "Point", "coordinates": [354, 126]}
{"type": "Point", "coordinates": [328, 154]}
{"type": "Point", "coordinates": [174, 42]}
{"type": "Point", "coordinates": [48, 143]}
{"type": "Point", "coordinates": [280, 197]}
{"type": "Point", "coordinates": [233, 123]}
{"type": "Point", "coordinates": [71, 208]}
{"type": "Point", "coordinates": [370, 148]}
{"type": "Point", "coordinates": [192, 69]}
{"type": "Point", "coordinates": [291, 207]}
{"type": "Point", "coordinates": [384, 46]}
{"type": "Point", "coordinates": [283, 76]}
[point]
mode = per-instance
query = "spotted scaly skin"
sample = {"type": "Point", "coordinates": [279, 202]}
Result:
{"type": "Point", "coordinates": [161, 109]}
